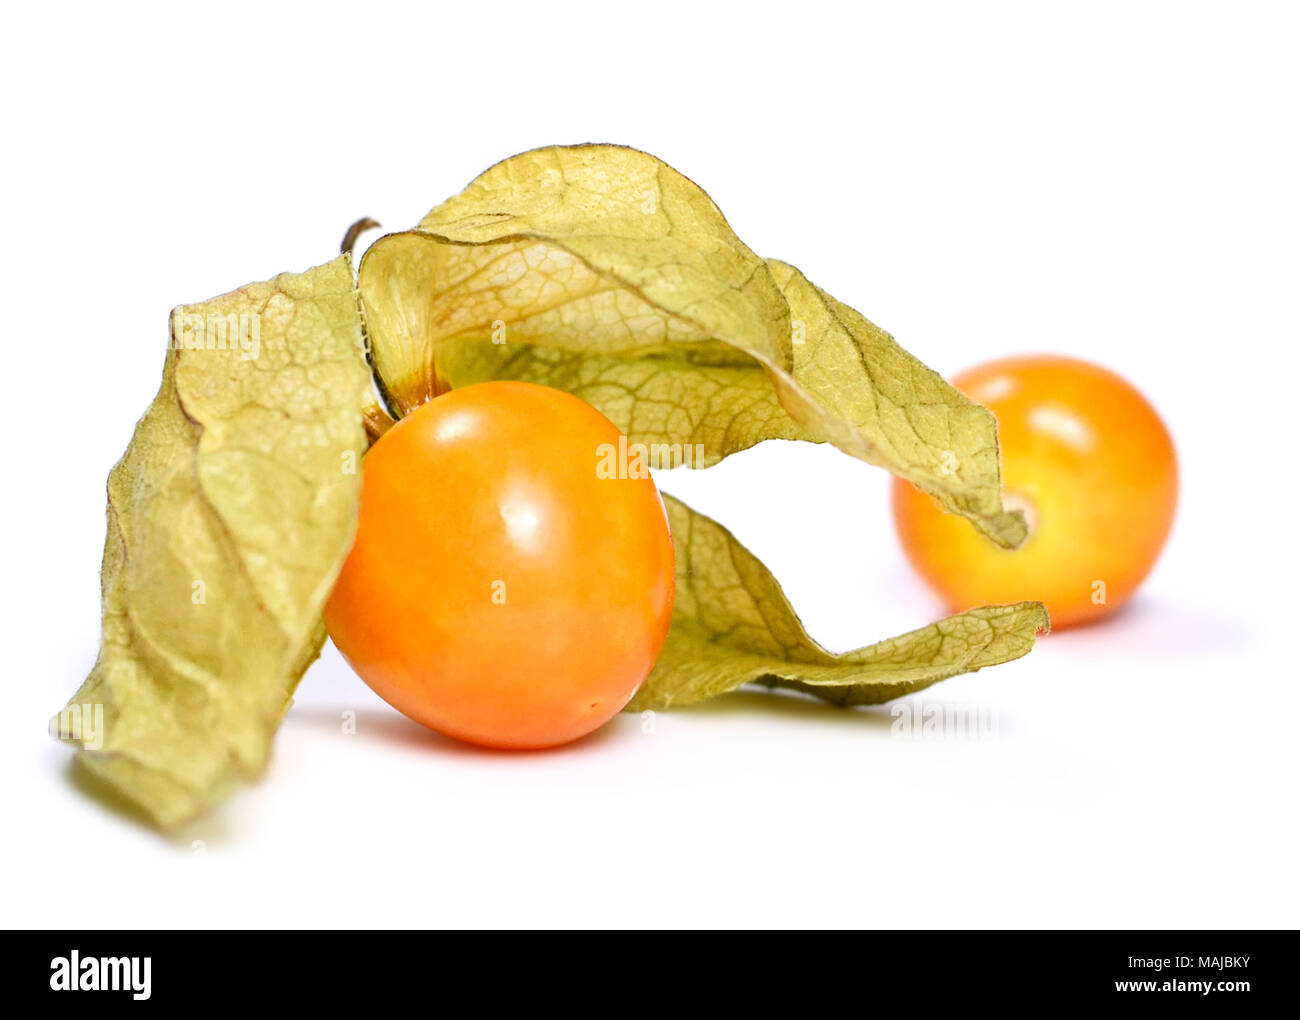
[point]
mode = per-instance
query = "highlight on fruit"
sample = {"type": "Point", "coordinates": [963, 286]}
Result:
{"type": "Point", "coordinates": [415, 453]}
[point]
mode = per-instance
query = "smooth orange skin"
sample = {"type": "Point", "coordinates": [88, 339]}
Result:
{"type": "Point", "coordinates": [1094, 464]}
{"type": "Point", "coordinates": [499, 591]}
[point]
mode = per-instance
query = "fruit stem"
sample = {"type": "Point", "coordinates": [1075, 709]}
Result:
{"type": "Point", "coordinates": [354, 232]}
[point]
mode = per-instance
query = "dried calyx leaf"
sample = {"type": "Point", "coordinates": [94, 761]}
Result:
{"type": "Point", "coordinates": [229, 517]}
{"type": "Point", "coordinates": [596, 269]}
{"type": "Point", "coordinates": [600, 270]}
{"type": "Point", "coordinates": [732, 625]}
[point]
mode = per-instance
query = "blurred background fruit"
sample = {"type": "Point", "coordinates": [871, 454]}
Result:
{"type": "Point", "coordinates": [1092, 465]}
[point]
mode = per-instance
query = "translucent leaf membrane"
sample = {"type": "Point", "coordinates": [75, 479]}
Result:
{"type": "Point", "coordinates": [601, 270]}
{"type": "Point", "coordinates": [229, 517]}
{"type": "Point", "coordinates": [732, 626]}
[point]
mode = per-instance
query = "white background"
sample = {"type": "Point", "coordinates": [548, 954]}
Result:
{"type": "Point", "coordinates": [1118, 182]}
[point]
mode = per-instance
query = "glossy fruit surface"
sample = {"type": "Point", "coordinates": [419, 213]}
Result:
{"type": "Point", "coordinates": [503, 588]}
{"type": "Point", "coordinates": [1093, 466]}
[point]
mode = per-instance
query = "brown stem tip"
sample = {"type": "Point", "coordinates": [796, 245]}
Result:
{"type": "Point", "coordinates": [355, 231]}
